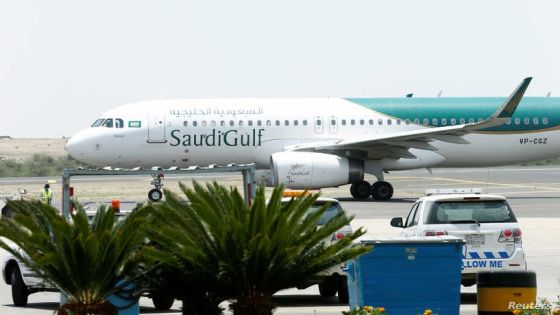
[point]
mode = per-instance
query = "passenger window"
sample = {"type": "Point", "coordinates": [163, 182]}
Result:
{"type": "Point", "coordinates": [195, 123]}
{"type": "Point", "coordinates": [222, 123]}
{"type": "Point", "coordinates": [286, 122]}
{"type": "Point", "coordinates": [471, 120]}
{"type": "Point", "coordinates": [108, 123]}
{"type": "Point", "coordinates": [185, 123]}
{"type": "Point", "coordinates": [526, 120]}
{"type": "Point", "coordinates": [425, 121]}
{"type": "Point", "coordinates": [277, 122]}
{"type": "Point", "coordinates": [462, 121]}
{"type": "Point", "coordinates": [417, 121]}
{"type": "Point", "coordinates": [444, 121]}
{"type": "Point", "coordinates": [361, 122]}
{"type": "Point", "coordinates": [398, 121]}
{"type": "Point", "coordinates": [213, 123]}
{"type": "Point", "coordinates": [318, 122]}
{"type": "Point", "coordinates": [343, 122]}
{"type": "Point", "coordinates": [333, 122]}
{"type": "Point", "coordinates": [352, 122]}
{"type": "Point", "coordinates": [268, 123]}
{"type": "Point", "coordinates": [250, 123]}
{"type": "Point", "coordinates": [517, 120]}
{"type": "Point", "coordinates": [241, 123]}
{"type": "Point", "coordinates": [416, 217]}
{"type": "Point", "coordinates": [435, 121]}
{"type": "Point", "coordinates": [535, 121]}
{"type": "Point", "coordinates": [204, 123]}
{"type": "Point", "coordinates": [259, 123]}
{"type": "Point", "coordinates": [371, 122]}
{"type": "Point", "coordinates": [231, 123]}
{"type": "Point", "coordinates": [296, 122]}
{"type": "Point", "coordinates": [305, 122]}
{"type": "Point", "coordinates": [453, 121]}
{"type": "Point", "coordinates": [97, 123]}
{"type": "Point", "coordinates": [389, 121]}
{"type": "Point", "coordinates": [411, 214]}
{"type": "Point", "coordinates": [508, 122]}
{"type": "Point", "coordinates": [380, 122]}
{"type": "Point", "coordinates": [545, 121]}
{"type": "Point", "coordinates": [480, 120]}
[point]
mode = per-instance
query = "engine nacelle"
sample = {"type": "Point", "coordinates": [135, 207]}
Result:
{"type": "Point", "coordinates": [308, 170]}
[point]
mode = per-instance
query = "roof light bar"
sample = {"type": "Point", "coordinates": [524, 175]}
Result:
{"type": "Point", "coordinates": [448, 191]}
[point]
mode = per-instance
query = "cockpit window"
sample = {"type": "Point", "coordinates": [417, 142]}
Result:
{"type": "Point", "coordinates": [108, 123]}
{"type": "Point", "coordinates": [119, 123]}
{"type": "Point", "coordinates": [97, 123]}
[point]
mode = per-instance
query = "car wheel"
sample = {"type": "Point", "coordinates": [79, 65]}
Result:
{"type": "Point", "coordinates": [161, 301]}
{"type": "Point", "coordinates": [343, 296]}
{"type": "Point", "coordinates": [20, 292]}
{"type": "Point", "coordinates": [327, 289]}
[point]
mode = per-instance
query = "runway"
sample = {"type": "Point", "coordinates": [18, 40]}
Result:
{"type": "Point", "coordinates": [533, 193]}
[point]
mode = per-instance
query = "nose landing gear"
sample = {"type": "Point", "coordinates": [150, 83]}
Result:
{"type": "Point", "coordinates": [155, 194]}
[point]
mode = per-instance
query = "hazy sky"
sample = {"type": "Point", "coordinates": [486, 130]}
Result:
{"type": "Point", "coordinates": [63, 63]}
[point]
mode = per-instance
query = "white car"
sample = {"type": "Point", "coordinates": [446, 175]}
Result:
{"type": "Point", "coordinates": [331, 281]}
{"type": "Point", "coordinates": [25, 282]}
{"type": "Point", "coordinates": [486, 222]}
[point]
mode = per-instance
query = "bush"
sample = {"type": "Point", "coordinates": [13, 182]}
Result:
{"type": "Point", "coordinates": [39, 165]}
{"type": "Point", "coordinates": [243, 253]}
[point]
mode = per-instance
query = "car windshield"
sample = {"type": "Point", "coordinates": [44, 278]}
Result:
{"type": "Point", "coordinates": [486, 211]}
{"type": "Point", "coordinates": [332, 210]}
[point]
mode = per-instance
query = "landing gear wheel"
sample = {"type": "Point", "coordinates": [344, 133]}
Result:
{"type": "Point", "coordinates": [161, 301]}
{"type": "Point", "coordinates": [381, 190]}
{"type": "Point", "coordinates": [20, 292]}
{"type": "Point", "coordinates": [327, 289]}
{"type": "Point", "coordinates": [155, 195]}
{"type": "Point", "coordinates": [360, 190]}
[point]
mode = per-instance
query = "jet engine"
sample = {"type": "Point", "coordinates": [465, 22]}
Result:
{"type": "Point", "coordinates": [308, 170]}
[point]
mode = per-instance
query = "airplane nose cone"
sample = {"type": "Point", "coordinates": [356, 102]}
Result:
{"type": "Point", "coordinates": [76, 147]}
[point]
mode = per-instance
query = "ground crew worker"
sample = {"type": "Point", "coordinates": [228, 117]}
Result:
{"type": "Point", "coordinates": [46, 194]}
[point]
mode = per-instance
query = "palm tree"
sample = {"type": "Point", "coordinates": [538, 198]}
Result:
{"type": "Point", "coordinates": [83, 260]}
{"type": "Point", "coordinates": [253, 251]}
{"type": "Point", "coordinates": [185, 264]}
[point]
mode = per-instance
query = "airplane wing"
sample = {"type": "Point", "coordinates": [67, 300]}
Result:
{"type": "Point", "coordinates": [396, 145]}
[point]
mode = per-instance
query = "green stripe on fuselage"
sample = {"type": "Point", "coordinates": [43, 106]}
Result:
{"type": "Point", "coordinates": [457, 108]}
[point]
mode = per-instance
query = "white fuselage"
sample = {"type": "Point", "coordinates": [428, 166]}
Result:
{"type": "Point", "coordinates": [211, 131]}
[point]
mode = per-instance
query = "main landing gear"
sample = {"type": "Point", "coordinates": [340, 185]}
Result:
{"type": "Point", "coordinates": [155, 194]}
{"type": "Point", "coordinates": [380, 190]}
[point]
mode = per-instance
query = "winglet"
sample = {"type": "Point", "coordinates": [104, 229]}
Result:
{"type": "Point", "coordinates": [510, 104]}
{"type": "Point", "coordinates": [506, 110]}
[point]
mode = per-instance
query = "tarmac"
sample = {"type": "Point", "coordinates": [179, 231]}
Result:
{"type": "Point", "coordinates": [533, 193]}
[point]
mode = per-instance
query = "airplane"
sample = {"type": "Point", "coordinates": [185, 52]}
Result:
{"type": "Point", "coordinates": [313, 143]}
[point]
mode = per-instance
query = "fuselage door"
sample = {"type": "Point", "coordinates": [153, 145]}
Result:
{"type": "Point", "coordinates": [156, 127]}
{"type": "Point", "coordinates": [319, 124]}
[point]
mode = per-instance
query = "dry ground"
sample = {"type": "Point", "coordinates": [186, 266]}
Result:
{"type": "Point", "coordinates": [23, 149]}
